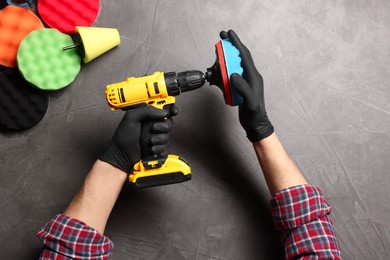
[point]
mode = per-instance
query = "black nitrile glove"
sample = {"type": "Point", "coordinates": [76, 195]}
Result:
{"type": "Point", "coordinates": [252, 114]}
{"type": "Point", "coordinates": [124, 149]}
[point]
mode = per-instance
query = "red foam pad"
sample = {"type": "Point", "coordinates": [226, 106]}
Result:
{"type": "Point", "coordinates": [66, 15]}
{"type": "Point", "coordinates": [15, 24]}
{"type": "Point", "coordinates": [225, 78]}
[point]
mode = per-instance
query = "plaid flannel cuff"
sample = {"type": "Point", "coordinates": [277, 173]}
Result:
{"type": "Point", "coordinates": [72, 238]}
{"type": "Point", "coordinates": [298, 205]}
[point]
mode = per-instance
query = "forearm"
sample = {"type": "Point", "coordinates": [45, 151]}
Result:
{"type": "Point", "coordinates": [279, 170]}
{"type": "Point", "coordinates": [96, 198]}
{"type": "Point", "coordinates": [78, 232]}
{"type": "Point", "coordinates": [299, 211]}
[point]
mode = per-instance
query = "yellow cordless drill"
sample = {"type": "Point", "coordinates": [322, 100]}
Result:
{"type": "Point", "coordinates": [157, 90]}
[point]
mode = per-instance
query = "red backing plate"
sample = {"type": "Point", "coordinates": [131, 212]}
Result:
{"type": "Point", "coordinates": [225, 78]}
{"type": "Point", "coordinates": [65, 15]}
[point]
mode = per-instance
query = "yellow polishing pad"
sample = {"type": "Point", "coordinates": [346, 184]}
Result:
{"type": "Point", "coordinates": [97, 41]}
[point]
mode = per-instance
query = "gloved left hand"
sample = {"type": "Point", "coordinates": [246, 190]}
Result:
{"type": "Point", "coordinates": [124, 149]}
{"type": "Point", "coordinates": [252, 113]}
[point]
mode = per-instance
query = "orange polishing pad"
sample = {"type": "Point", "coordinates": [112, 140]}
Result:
{"type": "Point", "coordinates": [15, 24]}
{"type": "Point", "coordinates": [66, 15]}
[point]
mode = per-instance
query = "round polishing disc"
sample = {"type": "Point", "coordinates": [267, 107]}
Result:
{"type": "Point", "coordinates": [65, 15]}
{"type": "Point", "coordinates": [15, 24]}
{"type": "Point", "coordinates": [43, 62]}
{"type": "Point", "coordinates": [224, 75]}
{"type": "Point", "coordinates": [21, 106]}
{"type": "Point", "coordinates": [3, 4]}
{"type": "Point", "coordinates": [233, 65]}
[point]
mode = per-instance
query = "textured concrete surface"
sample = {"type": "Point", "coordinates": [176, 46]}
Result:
{"type": "Point", "coordinates": [326, 70]}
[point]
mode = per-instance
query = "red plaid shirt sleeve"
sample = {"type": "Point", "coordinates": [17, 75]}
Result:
{"type": "Point", "coordinates": [68, 238]}
{"type": "Point", "coordinates": [300, 215]}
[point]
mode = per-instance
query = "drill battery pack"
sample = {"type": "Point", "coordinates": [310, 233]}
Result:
{"type": "Point", "coordinates": [150, 173]}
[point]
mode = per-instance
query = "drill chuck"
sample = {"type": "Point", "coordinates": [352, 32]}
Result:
{"type": "Point", "coordinates": [183, 81]}
{"type": "Point", "coordinates": [190, 80]}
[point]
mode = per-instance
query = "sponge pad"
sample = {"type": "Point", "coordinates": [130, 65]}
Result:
{"type": "Point", "coordinates": [44, 63]}
{"type": "Point", "coordinates": [233, 65]}
{"type": "Point", "coordinates": [15, 24]}
{"type": "Point", "coordinates": [21, 106]}
{"type": "Point", "coordinates": [3, 4]}
{"type": "Point", "coordinates": [65, 15]}
{"type": "Point", "coordinates": [97, 41]}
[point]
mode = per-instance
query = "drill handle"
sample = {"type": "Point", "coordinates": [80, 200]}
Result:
{"type": "Point", "coordinates": [150, 160]}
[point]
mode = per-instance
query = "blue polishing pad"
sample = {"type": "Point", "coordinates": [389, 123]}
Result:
{"type": "Point", "coordinates": [233, 65]}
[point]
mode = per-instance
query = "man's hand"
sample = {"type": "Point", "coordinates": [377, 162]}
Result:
{"type": "Point", "coordinates": [96, 198]}
{"type": "Point", "coordinates": [252, 113]}
{"type": "Point", "coordinates": [124, 149]}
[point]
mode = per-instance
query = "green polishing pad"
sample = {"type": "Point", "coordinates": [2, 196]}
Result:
{"type": "Point", "coordinates": [43, 62]}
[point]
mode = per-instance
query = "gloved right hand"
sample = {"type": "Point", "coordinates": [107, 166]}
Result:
{"type": "Point", "coordinates": [252, 114]}
{"type": "Point", "coordinates": [124, 149]}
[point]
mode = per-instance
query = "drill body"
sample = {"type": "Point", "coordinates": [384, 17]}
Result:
{"type": "Point", "coordinates": [157, 90]}
{"type": "Point", "coordinates": [138, 92]}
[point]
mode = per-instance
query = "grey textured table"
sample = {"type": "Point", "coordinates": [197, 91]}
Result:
{"type": "Point", "coordinates": [326, 70]}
